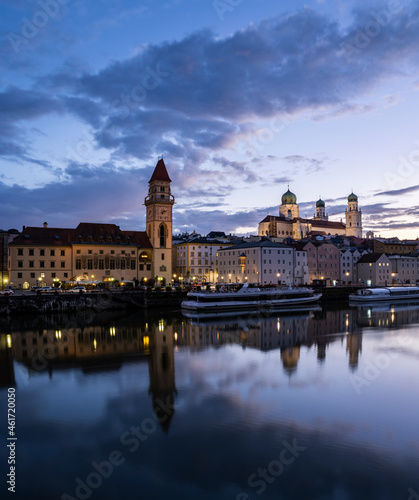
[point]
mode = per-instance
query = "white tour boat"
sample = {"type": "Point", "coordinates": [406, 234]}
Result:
{"type": "Point", "coordinates": [385, 294]}
{"type": "Point", "coordinates": [248, 297]}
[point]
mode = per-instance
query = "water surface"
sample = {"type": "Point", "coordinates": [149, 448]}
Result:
{"type": "Point", "coordinates": [298, 405]}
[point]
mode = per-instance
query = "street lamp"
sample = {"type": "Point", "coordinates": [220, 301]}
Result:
{"type": "Point", "coordinates": [278, 276]}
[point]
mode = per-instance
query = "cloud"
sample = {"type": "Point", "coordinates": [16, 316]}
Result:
{"type": "Point", "coordinates": [398, 192]}
{"type": "Point", "coordinates": [198, 97]}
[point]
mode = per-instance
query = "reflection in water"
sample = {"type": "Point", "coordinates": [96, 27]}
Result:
{"type": "Point", "coordinates": [227, 393]}
{"type": "Point", "coordinates": [94, 344]}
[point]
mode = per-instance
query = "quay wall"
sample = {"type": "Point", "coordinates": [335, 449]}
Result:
{"type": "Point", "coordinates": [30, 303]}
{"type": "Point", "coordinates": [98, 301]}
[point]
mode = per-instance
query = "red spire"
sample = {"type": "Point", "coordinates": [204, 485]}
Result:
{"type": "Point", "coordinates": [160, 172]}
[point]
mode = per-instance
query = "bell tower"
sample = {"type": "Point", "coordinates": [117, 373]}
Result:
{"type": "Point", "coordinates": [159, 203]}
{"type": "Point", "coordinates": [353, 217]}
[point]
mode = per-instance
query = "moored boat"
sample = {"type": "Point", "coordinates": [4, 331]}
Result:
{"type": "Point", "coordinates": [247, 298]}
{"type": "Point", "coordinates": [385, 294]}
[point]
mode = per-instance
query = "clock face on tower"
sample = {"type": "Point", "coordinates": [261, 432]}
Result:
{"type": "Point", "coordinates": [163, 213]}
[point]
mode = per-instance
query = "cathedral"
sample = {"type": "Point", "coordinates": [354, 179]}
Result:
{"type": "Point", "coordinates": [289, 224]}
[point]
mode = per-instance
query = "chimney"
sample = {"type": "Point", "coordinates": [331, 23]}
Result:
{"type": "Point", "coordinates": [23, 228]}
{"type": "Point", "coordinates": [45, 225]}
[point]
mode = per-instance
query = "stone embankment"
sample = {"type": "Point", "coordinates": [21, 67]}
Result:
{"type": "Point", "coordinates": [31, 303]}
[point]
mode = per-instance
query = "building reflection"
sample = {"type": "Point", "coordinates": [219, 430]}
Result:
{"type": "Point", "coordinates": [105, 343]}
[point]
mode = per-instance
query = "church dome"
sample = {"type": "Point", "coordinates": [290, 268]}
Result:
{"type": "Point", "coordinates": [289, 198]}
{"type": "Point", "coordinates": [320, 204]}
{"type": "Point", "coordinates": [352, 197]}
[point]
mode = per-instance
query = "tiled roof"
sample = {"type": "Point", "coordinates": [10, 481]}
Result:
{"type": "Point", "coordinates": [44, 236]}
{"type": "Point", "coordinates": [160, 172]}
{"type": "Point", "coordinates": [370, 257]}
{"type": "Point", "coordinates": [272, 218]}
{"type": "Point", "coordinates": [327, 224]}
{"type": "Point", "coordinates": [256, 244]}
{"type": "Point", "coordinates": [85, 232]}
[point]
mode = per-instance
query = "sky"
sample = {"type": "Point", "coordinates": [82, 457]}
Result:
{"type": "Point", "coordinates": [243, 98]}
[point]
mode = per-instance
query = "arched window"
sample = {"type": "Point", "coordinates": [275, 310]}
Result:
{"type": "Point", "coordinates": [289, 214]}
{"type": "Point", "coordinates": [162, 235]}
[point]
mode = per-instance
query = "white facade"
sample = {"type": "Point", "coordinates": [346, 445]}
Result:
{"type": "Point", "coordinates": [348, 264]}
{"type": "Point", "coordinates": [404, 269]}
{"type": "Point", "coordinates": [195, 261]}
{"type": "Point", "coordinates": [262, 262]}
{"type": "Point", "coordinates": [375, 270]}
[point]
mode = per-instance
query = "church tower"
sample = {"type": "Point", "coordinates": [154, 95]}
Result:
{"type": "Point", "coordinates": [353, 217]}
{"type": "Point", "coordinates": [289, 207]}
{"type": "Point", "coordinates": [159, 203]}
{"type": "Point", "coordinates": [320, 211]}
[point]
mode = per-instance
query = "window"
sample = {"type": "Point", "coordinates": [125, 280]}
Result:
{"type": "Point", "coordinates": [78, 263]}
{"type": "Point", "coordinates": [112, 264]}
{"type": "Point", "coordinates": [101, 264]}
{"type": "Point", "coordinates": [148, 267]}
{"type": "Point", "coordinates": [90, 252]}
{"type": "Point", "coordinates": [20, 263]}
{"type": "Point", "coordinates": [101, 252]}
{"type": "Point", "coordinates": [162, 256]}
{"type": "Point", "coordinates": [20, 251]}
{"type": "Point", "coordinates": [53, 275]}
{"type": "Point", "coordinates": [52, 264]}
{"type": "Point", "coordinates": [32, 275]}
{"type": "Point", "coordinates": [133, 264]}
{"type": "Point", "coordinates": [162, 235]}
{"type": "Point", "coordinates": [41, 263]}
{"type": "Point", "coordinates": [78, 251]}
{"type": "Point", "coordinates": [62, 253]}
{"type": "Point", "coordinates": [41, 252]}
{"type": "Point", "coordinates": [52, 253]}
{"type": "Point", "coordinates": [90, 264]}
{"type": "Point", "coordinates": [62, 264]}
{"type": "Point", "coordinates": [141, 267]}
{"type": "Point", "coordinates": [31, 263]}
{"type": "Point", "coordinates": [19, 275]}
{"type": "Point", "coordinates": [31, 251]}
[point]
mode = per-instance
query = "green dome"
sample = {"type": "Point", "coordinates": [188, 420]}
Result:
{"type": "Point", "coordinates": [352, 197]}
{"type": "Point", "coordinates": [320, 203]}
{"type": "Point", "coordinates": [289, 198]}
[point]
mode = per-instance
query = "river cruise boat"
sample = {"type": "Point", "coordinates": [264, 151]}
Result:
{"type": "Point", "coordinates": [385, 294]}
{"type": "Point", "coordinates": [247, 298]}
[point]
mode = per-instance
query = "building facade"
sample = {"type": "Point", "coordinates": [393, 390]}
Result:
{"type": "Point", "coordinates": [263, 262]}
{"type": "Point", "coordinates": [404, 269]}
{"type": "Point", "coordinates": [195, 260]}
{"type": "Point", "coordinates": [394, 246]}
{"type": "Point", "coordinates": [349, 258]}
{"type": "Point", "coordinates": [44, 256]}
{"type": "Point", "coordinates": [374, 269]}
{"type": "Point", "coordinates": [323, 260]}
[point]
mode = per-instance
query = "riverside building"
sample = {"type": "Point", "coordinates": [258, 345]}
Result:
{"type": "Point", "coordinates": [45, 256]}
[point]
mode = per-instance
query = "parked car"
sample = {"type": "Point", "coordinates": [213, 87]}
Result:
{"type": "Point", "coordinates": [43, 289]}
{"type": "Point", "coordinates": [77, 289]}
{"type": "Point", "coordinates": [9, 291]}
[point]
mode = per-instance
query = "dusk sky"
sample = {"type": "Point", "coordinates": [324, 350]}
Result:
{"type": "Point", "coordinates": [241, 97]}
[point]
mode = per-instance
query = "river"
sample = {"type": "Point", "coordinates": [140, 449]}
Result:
{"type": "Point", "coordinates": [314, 404]}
